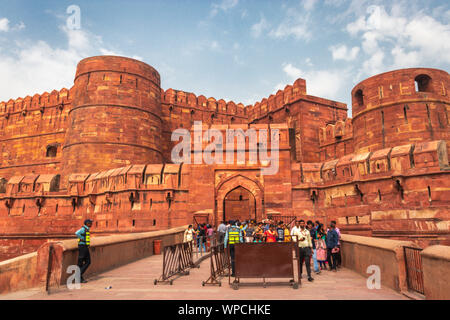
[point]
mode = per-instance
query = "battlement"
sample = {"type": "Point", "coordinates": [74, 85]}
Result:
{"type": "Point", "coordinates": [38, 102]}
{"type": "Point", "coordinates": [283, 98]}
{"type": "Point", "coordinates": [172, 98]}
{"type": "Point", "coordinates": [411, 159]}
{"type": "Point", "coordinates": [103, 150]}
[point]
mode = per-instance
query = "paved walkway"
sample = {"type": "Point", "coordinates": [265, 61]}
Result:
{"type": "Point", "coordinates": [135, 281]}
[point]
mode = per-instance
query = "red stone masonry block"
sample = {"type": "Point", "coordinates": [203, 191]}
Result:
{"type": "Point", "coordinates": [431, 154]}
{"type": "Point", "coordinates": [380, 161]}
{"type": "Point", "coordinates": [401, 159]}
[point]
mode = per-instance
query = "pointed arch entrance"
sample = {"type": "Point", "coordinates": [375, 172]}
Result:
{"type": "Point", "coordinates": [239, 204]}
{"type": "Point", "coordinates": [228, 192]}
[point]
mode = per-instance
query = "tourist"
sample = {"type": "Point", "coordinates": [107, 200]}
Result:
{"type": "Point", "coordinates": [189, 234]}
{"type": "Point", "coordinates": [317, 224]}
{"type": "Point", "coordinates": [209, 234]}
{"type": "Point", "coordinates": [313, 233]}
{"type": "Point", "coordinates": [234, 235]}
{"type": "Point", "coordinates": [84, 241]}
{"type": "Point", "coordinates": [338, 256]}
{"type": "Point", "coordinates": [266, 224]}
{"type": "Point", "coordinates": [305, 245]}
{"type": "Point", "coordinates": [259, 233]}
{"type": "Point", "coordinates": [201, 238]}
{"type": "Point", "coordinates": [221, 230]}
{"type": "Point", "coordinates": [280, 232]}
{"type": "Point", "coordinates": [321, 247]}
{"type": "Point", "coordinates": [270, 235]}
{"type": "Point", "coordinates": [287, 234]}
{"type": "Point", "coordinates": [249, 232]}
{"type": "Point", "coordinates": [332, 246]}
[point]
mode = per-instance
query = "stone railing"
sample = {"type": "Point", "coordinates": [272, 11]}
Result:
{"type": "Point", "coordinates": [358, 253]}
{"type": "Point", "coordinates": [107, 252]}
{"type": "Point", "coordinates": [436, 267]}
{"type": "Point", "coordinates": [18, 273]}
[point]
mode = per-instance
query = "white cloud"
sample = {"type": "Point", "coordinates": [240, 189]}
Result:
{"type": "Point", "coordinates": [294, 27]}
{"type": "Point", "coordinates": [400, 38]}
{"type": "Point", "coordinates": [214, 45]}
{"type": "Point", "coordinates": [258, 28]}
{"type": "Point", "coordinates": [35, 66]}
{"type": "Point", "coordinates": [4, 25]}
{"type": "Point", "coordinates": [309, 4]}
{"type": "Point", "coordinates": [341, 52]}
{"type": "Point", "coordinates": [321, 83]}
{"type": "Point", "coordinates": [224, 5]}
{"type": "Point", "coordinates": [19, 26]}
{"type": "Point", "coordinates": [296, 23]}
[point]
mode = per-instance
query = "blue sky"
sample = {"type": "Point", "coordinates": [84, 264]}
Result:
{"type": "Point", "coordinates": [240, 50]}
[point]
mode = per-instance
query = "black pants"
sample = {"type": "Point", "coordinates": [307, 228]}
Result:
{"type": "Point", "coordinates": [305, 255]}
{"type": "Point", "coordinates": [332, 259]}
{"type": "Point", "coordinates": [231, 248]}
{"type": "Point", "coordinates": [221, 237]}
{"type": "Point", "coordinates": [338, 258]}
{"type": "Point", "coordinates": [84, 258]}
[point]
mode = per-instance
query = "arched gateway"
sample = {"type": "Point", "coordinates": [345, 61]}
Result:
{"type": "Point", "coordinates": [239, 197]}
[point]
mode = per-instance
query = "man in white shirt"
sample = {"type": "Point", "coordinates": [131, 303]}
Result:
{"type": "Point", "coordinates": [302, 236]}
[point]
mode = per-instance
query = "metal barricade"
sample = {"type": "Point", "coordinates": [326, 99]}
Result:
{"type": "Point", "coordinates": [414, 270]}
{"type": "Point", "coordinates": [219, 264]}
{"type": "Point", "coordinates": [177, 259]}
{"type": "Point", "coordinates": [264, 260]}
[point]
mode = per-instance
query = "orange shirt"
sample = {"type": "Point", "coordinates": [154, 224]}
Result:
{"type": "Point", "coordinates": [271, 236]}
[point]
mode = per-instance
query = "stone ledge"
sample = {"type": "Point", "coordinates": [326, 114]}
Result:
{"type": "Point", "coordinates": [386, 244]}
{"type": "Point", "coordinates": [115, 239]}
{"type": "Point", "coordinates": [437, 252]}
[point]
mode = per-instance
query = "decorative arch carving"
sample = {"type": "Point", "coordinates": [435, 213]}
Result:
{"type": "Point", "coordinates": [233, 182]}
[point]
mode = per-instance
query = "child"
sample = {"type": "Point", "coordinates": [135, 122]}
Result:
{"type": "Point", "coordinates": [280, 232]}
{"type": "Point", "coordinates": [321, 248]}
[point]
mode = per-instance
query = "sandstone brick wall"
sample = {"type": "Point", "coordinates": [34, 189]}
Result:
{"type": "Point", "coordinates": [28, 128]}
{"type": "Point", "coordinates": [116, 116]}
{"type": "Point", "coordinates": [382, 173]}
{"type": "Point", "coordinates": [388, 111]}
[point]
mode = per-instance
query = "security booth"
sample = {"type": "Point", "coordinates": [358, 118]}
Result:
{"type": "Point", "coordinates": [266, 260]}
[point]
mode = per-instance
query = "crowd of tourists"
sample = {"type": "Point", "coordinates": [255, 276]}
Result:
{"type": "Point", "coordinates": [315, 241]}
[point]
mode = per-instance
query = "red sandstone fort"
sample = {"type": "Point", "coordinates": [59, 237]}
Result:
{"type": "Point", "coordinates": [102, 150]}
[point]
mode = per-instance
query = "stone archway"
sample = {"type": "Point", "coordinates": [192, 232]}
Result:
{"type": "Point", "coordinates": [235, 182]}
{"type": "Point", "coordinates": [239, 204]}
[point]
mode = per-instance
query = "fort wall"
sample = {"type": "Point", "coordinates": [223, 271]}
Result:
{"type": "Point", "coordinates": [398, 107]}
{"type": "Point", "coordinates": [32, 131]}
{"type": "Point", "coordinates": [116, 116]}
{"type": "Point", "coordinates": [102, 150]}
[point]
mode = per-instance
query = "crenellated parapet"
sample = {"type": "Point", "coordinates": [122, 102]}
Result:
{"type": "Point", "coordinates": [171, 98]}
{"type": "Point", "coordinates": [38, 102]}
{"type": "Point", "coordinates": [275, 102]}
{"type": "Point", "coordinates": [407, 160]}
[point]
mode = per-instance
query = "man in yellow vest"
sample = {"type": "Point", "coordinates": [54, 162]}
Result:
{"type": "Point", "coordinates": [234, 235]}
{"type": "Point", "coordinates": [84, 241]}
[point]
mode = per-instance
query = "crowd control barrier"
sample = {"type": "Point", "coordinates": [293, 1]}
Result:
{"type": "Point", "coordinates": [264, 260]}
{"type": "Point", "coordinates": [220, 265]}
{"type": "Point", "coordinates": [177, 259]}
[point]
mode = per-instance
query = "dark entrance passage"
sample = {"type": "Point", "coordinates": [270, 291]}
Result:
{"type": "Point", "coordinates": [239, 204]}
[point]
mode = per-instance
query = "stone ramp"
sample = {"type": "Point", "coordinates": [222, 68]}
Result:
{"type": "Point", "coordinates": [134, 281]}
